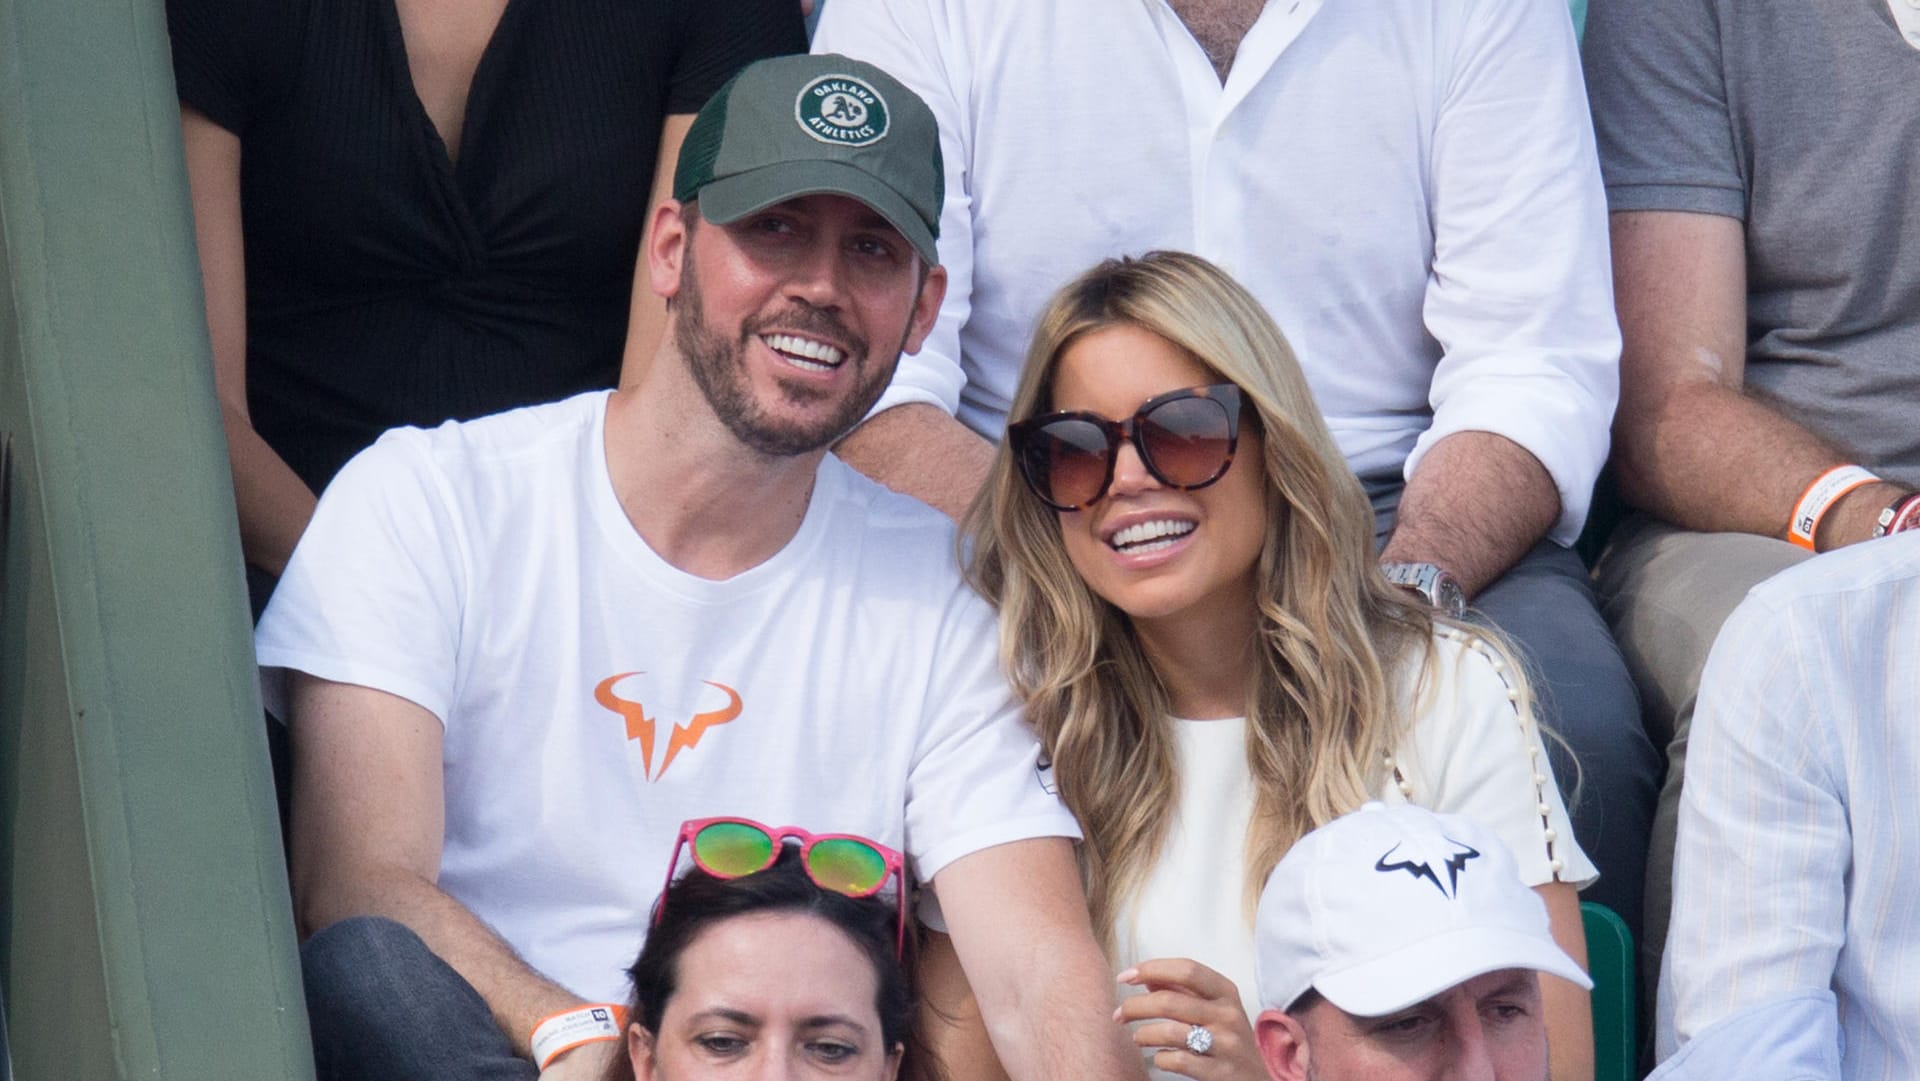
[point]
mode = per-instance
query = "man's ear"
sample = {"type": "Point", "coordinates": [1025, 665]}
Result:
{"type": "Point", "coordinates": [666, 252]}
{"type": "Point", "coordinates": [926, 309]}
{"type": "Point", "coordinates": [1283, 1045]}
{"type": "Point", "coordinates": [640, 1052]}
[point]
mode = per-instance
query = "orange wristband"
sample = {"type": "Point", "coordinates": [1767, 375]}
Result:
{"type": "Point", "coordinates": [556, 1035]}
{"type": "Point", "coordinates": [1820, 496]}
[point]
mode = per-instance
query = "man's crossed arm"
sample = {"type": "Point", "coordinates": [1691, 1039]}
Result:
{"type": "Point", "coordinates": [368, 823]}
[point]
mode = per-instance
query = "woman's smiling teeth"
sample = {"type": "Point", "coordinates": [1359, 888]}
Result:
{"type": "Point", "coordinates": [805, 353]}
{"type": "Point", "coordinates": [1150, 536]}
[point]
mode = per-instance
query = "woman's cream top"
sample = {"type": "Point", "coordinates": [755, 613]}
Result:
{"type": "Point", "coordinates": [1470, 751]}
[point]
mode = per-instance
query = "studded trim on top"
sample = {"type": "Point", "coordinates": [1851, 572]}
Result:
{"type": "Point", "coordinates": [1528, 733]}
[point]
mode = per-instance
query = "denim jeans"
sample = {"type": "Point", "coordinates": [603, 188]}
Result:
{"type": "Point", "coordinates": [384, 1008]}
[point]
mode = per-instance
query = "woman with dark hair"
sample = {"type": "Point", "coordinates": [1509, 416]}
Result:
{"type": "Point", "coordinates": [772, 953]}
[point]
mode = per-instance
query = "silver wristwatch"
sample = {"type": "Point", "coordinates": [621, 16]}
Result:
{"type": "Point", "coordinates": [1431, 582]}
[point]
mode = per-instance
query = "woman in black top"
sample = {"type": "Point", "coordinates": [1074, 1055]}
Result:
{"type": "Point", "coordinates": [416, 210]}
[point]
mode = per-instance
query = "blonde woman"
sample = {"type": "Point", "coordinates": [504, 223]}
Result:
{"type": "Point", "coordinates": [1191, 605]}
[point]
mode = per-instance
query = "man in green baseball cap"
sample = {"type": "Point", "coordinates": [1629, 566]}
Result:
{"type": "Point", "coordinates": [804, 125]}
{"type": "Point", "coordinates": [517, 652]}
{"type": "Point", "coordinates": [818, 181]}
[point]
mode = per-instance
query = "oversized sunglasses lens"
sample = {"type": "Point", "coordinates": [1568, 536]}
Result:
{"type": "Point", "coordinates": [732, 849]}
{"type": "Point", "coordinates": [846, 866]}
{"type": "Point", "coordinates": [1189, 441]}
{"type": "Point", "coordinates": [1065, 461]}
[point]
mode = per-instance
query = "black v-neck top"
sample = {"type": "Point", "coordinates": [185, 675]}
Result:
{"type": "Point", "coordinates": [387, 285]}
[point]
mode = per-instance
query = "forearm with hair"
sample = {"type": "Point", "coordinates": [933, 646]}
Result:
{"type": "Point", "coordinates": [919, 450]}
{"type": "Point", "coordinates": [1690, 444]}
{"type": "Point", "coordinates": [368, 830]}
{"type": "Point", "coordinates": [1708, 457]}
{"type": "Point", "coordinates": [1475, 505]}
{"type": "Point", "coordinates": [518, 996]}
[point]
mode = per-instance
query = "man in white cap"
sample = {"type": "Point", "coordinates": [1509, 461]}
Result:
{"type": "Point", "coordinates": [1395, 944]}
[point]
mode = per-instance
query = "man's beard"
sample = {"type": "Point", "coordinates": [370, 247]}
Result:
{"type": "Point", "coordinates": [717, 366]}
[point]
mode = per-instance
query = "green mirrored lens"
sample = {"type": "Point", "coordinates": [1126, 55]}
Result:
{"type": "Point", "coordinates": [847, 866]}
{"type": "Point", "coordinates": [730, 849]}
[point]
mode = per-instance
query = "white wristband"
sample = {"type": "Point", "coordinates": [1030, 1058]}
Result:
{"type": "Point", "coordinates": [1823, 493]}
{"type": "Point", "coordinates": [563, 1032]}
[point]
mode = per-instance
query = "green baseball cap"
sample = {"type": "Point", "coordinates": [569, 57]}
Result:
{"type": "Point", "coordinates": [809, 125]}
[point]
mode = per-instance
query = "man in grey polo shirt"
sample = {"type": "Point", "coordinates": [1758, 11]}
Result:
{"type": "Point", "coordinates": [1758, 160]}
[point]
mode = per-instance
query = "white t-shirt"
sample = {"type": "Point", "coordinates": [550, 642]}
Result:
{"type": "Point", "coordinates": [594, 697]}
{"type": "Point", "coordinates": [1470, 752]}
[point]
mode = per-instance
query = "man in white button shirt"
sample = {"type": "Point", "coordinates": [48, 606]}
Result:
{"type": "Point", "coordinates": [1395, 944]}
{"type": "Point", "coordinates": [1796, 884]}
{"type": "Point", "coordinates": [1409, 186]}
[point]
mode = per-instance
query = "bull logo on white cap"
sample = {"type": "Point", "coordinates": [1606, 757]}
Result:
{"type": "Point", "coordinates": [843, 110]}
{"type": "Point", "coordinates": [1423, 864]}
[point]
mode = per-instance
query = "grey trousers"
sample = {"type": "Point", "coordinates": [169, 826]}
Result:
{"type": "Point", "coordinates": [1665, 592]}
{"type": "Point", "coordinates": [384, 1008]}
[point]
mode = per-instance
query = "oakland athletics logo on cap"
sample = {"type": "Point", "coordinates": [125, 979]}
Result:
{"type": "Point", "coordinates": [842, 109]}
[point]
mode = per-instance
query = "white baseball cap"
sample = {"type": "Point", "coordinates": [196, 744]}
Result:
{"type": "Point", "coordinates": [1389, 906]}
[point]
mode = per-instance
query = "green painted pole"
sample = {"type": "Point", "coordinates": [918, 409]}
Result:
{"type": "Point", "coordinates": [145, 930]}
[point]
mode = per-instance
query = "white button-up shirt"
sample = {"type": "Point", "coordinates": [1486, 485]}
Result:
{"type": "Point", "coordinates": [1409, 186]}
{"type": "Point", "coordinates": [1795, 946]}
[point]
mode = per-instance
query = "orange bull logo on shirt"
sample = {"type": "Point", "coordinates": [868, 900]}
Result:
{"type": "Point", "coordinates": [640, 726]}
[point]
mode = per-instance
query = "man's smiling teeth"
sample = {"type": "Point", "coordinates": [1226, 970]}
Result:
{"type": "Point", "coordinates": [805, 352]}
{"type": "Point", "coordinates": [1150, 536]}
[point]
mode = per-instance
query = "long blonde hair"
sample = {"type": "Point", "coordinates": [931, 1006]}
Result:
{"type": "Point", "coordinates": [1334, 637]}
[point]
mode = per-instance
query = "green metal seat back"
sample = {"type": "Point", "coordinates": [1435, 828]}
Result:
{"type": "Point", "coordinates": [1610, 962]}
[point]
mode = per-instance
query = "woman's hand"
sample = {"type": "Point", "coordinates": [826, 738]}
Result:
{"type": "Point", "coordinates": [1181, 994]}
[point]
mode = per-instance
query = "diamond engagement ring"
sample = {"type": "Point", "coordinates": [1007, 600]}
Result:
{"type": "Point", "coordinates": [1199, 1040]}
